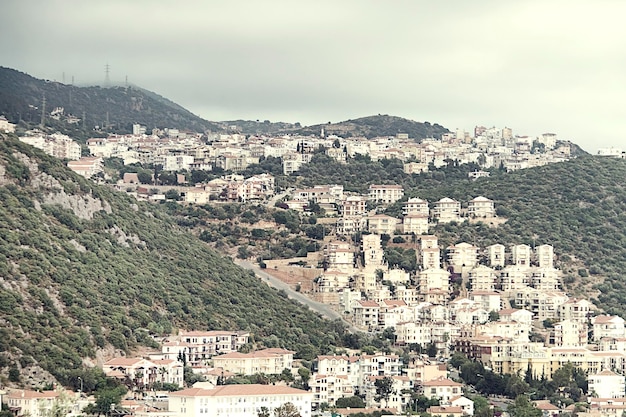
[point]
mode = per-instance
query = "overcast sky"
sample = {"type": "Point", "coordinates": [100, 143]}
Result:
{"type": "Point", "coordinates": [534, 66]}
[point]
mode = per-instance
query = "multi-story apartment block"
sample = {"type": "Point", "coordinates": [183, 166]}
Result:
{"type": "Point", "coordinates": [266, 361]}
{"type": "Point", "coordinates": [31, 403]}
{"type": "Point", "coordinates": [382, 224]}
{"type": "Point", "coordinates": [576, 309]}
{"type": "Point", "coordinates": [87, 166]}
{"type": "Point", "coordinates": [199, 346]}
{"type": "Point", "coordinates": [543, 305]}
{"type": "Point", "coordinates": [569, 333]}
{"type": "Point", "coordinates": [429, 252]}
{"type": "Point", "coordinates": [239, 400]}
{"type": "Point", "coordinates": [386, 194]}
{"type": "Point", "coordinates": [482, 278]}
{"type": "Point", "coordinates": [353, 206]}
{"type": "Point", "coordinates": [415, 223]}
{"type": "Point", "coordinates": [415, 205]}
{"type": "Point", "coordinates": [447, 210]}
{"type": "Point", "coordinates": [462, 255]}
{"type": "Point", "coordinates": [607, 384]}
{"type": "Point", "coordinates": [481, 207]}
{"type": "Point", "coordinates": [607, 326]}
{"type": "Point", "coordinates": [328, 388]}
{"type": "Point", "coordinates": [545, 256]}
{"type": "Point", "coordinates": [521, 255]}
{"type": "Point", "coordinates": [443, 389]}
{"type": "Point", "coordinates": [497, 255]}
{"type": "Point", "coordinates": [365, 314]}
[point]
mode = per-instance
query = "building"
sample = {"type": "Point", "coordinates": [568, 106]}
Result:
{"type": "Point", "coordinates": [329, 388]}
{"type": "Point", "coordinates": [462, 255]}
{"type": "Point", "coordinates": [353, 206]}
{"type": "Point", "coordinates": [415, 206]}
{"type": "Point", "coordinates": [385, 194]}
{"type": "Point", "coordinates": [481, 207]}
{"type": "Point", "coordinates": [447, 210]}
{"type": "Point", "coordinates": [607, 326]}
{"type": "Point", "coordinates": [497, 255]}
{"type": "Point", "coordinates": [607, 384]}
{"type": "Point", "coordinates": [442, 388]}
{"type": "Point", "coordinates": [31, 403]}
{"type": "Point", "coordinates": [382, 224]}
{"type": "Point", "coordinates": [87, 166]}
{"type": "Point", "coordinates": [243, 400]}
{"type": "Point", "coordinates": [199, 346]}
{"type": "Point", "coordinates": [267, 361]}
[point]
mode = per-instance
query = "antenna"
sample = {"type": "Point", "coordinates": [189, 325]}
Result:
{"type": "Point", "coordinates": [43, 111]}
{"type": "Point", "coordinates": [107, 80]}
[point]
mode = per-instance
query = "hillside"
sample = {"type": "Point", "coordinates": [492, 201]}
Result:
{"type": "Point", "coordinates": [84, 269]}
{"type": "Point", "coordinates": [373, 126]}
{"type": "Point", "coordinates": [21, 99]}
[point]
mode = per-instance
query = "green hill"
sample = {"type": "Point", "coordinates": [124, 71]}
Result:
{"type": "Point", "coordinates": [84, 268]}
{"type": "Point", "coordinates": [373, 126]}
{"type": "Point", "coordinates": [21, 98]}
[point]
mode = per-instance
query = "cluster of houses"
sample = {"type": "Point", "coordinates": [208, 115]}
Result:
{"type": "Point", "coordinates": [354, 216]}
{"type": "Point", "coordinates": [177, 150]}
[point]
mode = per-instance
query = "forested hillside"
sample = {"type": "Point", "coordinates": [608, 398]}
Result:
{"type": "Point", "coordinates": [84, 268]}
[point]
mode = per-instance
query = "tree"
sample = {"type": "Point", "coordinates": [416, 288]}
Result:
{"type": "Point", "coordinates": [287, 410]}
{"type": "Point", "coordinates": [263, 412]}
{"type": "Point", "coordinates": [351, 402]}
{"type": "Point", "coordinates": [522, 407]}
{"type": "Point", "coordinates": [384, 388]}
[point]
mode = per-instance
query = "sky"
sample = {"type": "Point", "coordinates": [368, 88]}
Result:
{"type": "Point", "coordinates": [554, 66]}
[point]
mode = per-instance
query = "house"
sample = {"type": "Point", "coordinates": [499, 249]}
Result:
{"type": "Point", "coordinates": [354, 205]}
{"type": "Point", "coordinates": [442, 388]}
{"type": "Point", "coordinates": [521, 255]}
{"type": "Point", "coordinates": [545, 256]}
{"type": "Point", "coordinates": [576, 309]}
{"type": "Point", "coordinates": [199, 346]}
{"type": "Point", "coordinates": [489, 300]}
{"type": "Point", "coordinates": [396, 398]}
{"type": "Point", "coordinates": [464, 403]}
{"type": "Point", "coordinates": [242, 400]}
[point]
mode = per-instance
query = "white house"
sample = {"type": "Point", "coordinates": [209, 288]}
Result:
{"type": "Point", "coordinates": [607, 384]}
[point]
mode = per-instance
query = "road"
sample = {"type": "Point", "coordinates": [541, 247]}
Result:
{"type": "Point", "coordinates": [321, 308]}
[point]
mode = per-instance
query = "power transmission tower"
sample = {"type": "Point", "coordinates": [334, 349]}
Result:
{"type": "Point", "coordinates": [107, 80]}
{"type": "Point", "coordinates": [43, 111]}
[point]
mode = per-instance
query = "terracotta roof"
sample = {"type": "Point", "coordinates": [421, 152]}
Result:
{"type": "Point", "coordinates": [441, 382]}
{"type": "Point", "coordinates": [32, 394]}
{"type": "Point", "coordinates": [238, 390]}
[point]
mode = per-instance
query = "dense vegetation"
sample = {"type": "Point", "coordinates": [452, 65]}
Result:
{"type": "Point", "coordinates": [72, 285]}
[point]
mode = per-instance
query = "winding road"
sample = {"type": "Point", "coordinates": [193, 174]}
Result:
{"type": "Point", "coordinates": [321, 308]}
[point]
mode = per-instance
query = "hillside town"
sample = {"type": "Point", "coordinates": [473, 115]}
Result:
{"type": "Point", "coordinates": [502, 307]}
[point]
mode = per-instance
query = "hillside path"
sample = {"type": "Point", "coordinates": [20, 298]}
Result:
{"type": "Point", "coordinates": [321, 308]}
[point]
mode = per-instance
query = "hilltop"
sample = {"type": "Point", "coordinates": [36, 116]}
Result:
{"type": "Point", "coordinates": [21, 98]}
{"type": "Point", "coordinates": [379, 125]}
{"type": "Point", "coordinates": [86, 271]}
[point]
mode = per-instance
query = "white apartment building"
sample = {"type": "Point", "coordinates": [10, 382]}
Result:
{"type": "Point", "coordinates": [521, 255]}
{"type": "Point", "coordinates": [242, 400]}
{"type": "Point", "coordinates": [481, 207]}
{"type": "Point", "coordinates": [482, 278]}
{"type": "Point", "coordinates": [462, 255]}
{"type": "Point", "coordinates": [497, 255]}
{"type": "Point", "coordinates": [415, 205]}
{"type": "Point", "coordinates": [267, 361]}
{"type": "Point", "coordinates": [386, 194]}
{"type": "Point", "coordinates": [607, 326]}
{"type": "Point", "coordinates": [447, 210]}
{"type": "Point", "coordinates": [31, 403]}
{"type": "Point", "coordinates": [607, 384]}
